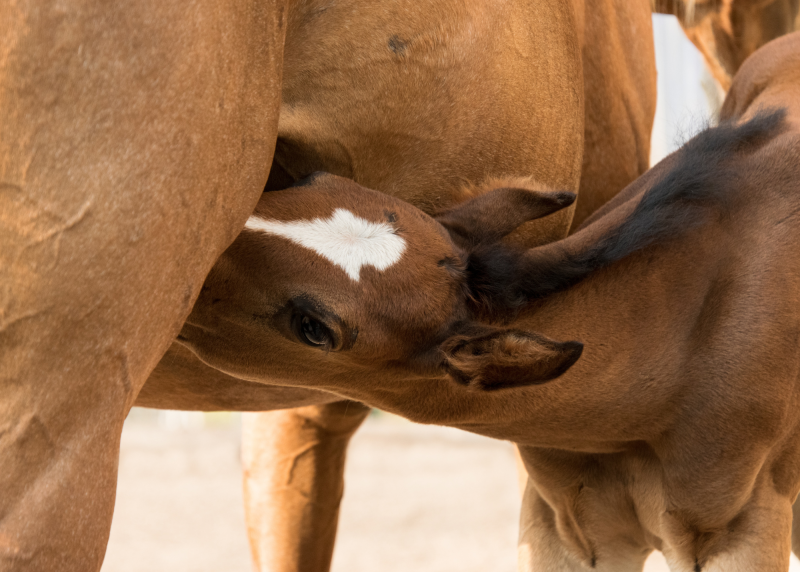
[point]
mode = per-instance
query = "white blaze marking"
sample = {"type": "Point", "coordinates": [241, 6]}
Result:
{"type": "Point", "coordinates": [348, 241]}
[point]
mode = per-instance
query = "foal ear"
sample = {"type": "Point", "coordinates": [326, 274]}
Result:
{"type": "Point", "coordinates": [492, 215]}
{"type": "Point", "coordinates": [500, 359]}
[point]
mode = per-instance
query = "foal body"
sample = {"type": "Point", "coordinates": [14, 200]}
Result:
{"type": "Point", "coordinates": [680, 432]}
{"type": "Point", "coordinates": [675, 429]}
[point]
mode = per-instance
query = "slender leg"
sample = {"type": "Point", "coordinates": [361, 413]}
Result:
{"type": "Point", "coordinates": [293, 482]}
{"type": "Point", "coordinates": [134, 140]}
{"type": "Point", "coordinates": [522, 472]}
{"type": "Point", "coordinates": [761, 539]}
{"type": "Point", "coordinates": [542, 549]}
{"type": "Point", "coordinates": [539, 548]}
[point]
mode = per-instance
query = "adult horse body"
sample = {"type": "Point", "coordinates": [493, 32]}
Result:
{"type": "Point", "coordinates": [422, 103]}
{"type": "Point", "coordinates": [672, 423]}
{"type": "Point", "coordinates": [135, 140]}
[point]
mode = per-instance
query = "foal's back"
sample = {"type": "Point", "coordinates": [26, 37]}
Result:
{"type": "Point", "coordinates": [768, 78]}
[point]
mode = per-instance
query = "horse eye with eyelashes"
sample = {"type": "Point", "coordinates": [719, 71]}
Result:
{"type": "Point", "coordinates": [313, 333]}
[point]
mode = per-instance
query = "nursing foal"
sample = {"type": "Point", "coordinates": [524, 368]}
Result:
{"type": "Point", "coordinates": [647, 366]}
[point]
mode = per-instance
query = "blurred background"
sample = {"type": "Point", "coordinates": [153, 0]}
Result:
{"type": "Point", "coordinates": [421, 498]}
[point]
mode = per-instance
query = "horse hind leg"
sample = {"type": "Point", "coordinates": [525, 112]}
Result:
{"type": "Point", "coordinates": [293, 463]}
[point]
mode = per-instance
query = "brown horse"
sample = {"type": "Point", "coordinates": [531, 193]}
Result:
{"type": "Point", "coordinates": [727, 31]}
{"type": "Point", "coordinates": [668, 423]}
{"type": "Point", "coordinates": [427, 134]}
{"type": "Point", "coordinates": [136, 140]}
{"type": "Point", "coordinates": [284, 524]}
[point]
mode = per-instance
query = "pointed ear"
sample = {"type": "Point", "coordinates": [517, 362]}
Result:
{"type": "Point", "coordinates": [498, 359]}
{"type": "Point", "coordinates": [492, 215]}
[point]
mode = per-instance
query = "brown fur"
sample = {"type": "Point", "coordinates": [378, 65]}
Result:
{"type": "Point", "coordinates": [727, 31]}
{"type": "Point", "coordinates": [674, 430]}
{"type": "Point", "coordinates": [136, 138]}
{"type": "Point", "coordinates": [305, 484]}
{"type": "Point", "coordinates": [135, 141]}
{"type": "Point", "coordinates": [212, 390]}
{"type": "Point", "coordinates": [619, 85]}
{"type": "Point", "coordinates": [428, 134]}
{"type": "Point", "coordinates": [507, 358]}
{"type": "Point", "coordinates": [619, 103]}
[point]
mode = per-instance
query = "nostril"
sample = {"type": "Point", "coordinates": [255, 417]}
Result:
{"type": "Point", "coordinates": [215, 300]}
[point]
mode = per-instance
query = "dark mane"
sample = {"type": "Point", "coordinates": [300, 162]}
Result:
{"type": "Point", "coordinates": [501, 281]}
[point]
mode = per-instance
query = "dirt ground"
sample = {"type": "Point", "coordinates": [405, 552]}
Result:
{"type": "Point", "coordinates": [427, 499]}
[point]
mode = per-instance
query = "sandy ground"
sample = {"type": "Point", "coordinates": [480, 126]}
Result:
{"type": "Point", "coordinates": [419, 498]}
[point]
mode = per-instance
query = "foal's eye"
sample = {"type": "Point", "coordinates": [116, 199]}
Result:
{"type": "Point", "coordinates": [314, 333]}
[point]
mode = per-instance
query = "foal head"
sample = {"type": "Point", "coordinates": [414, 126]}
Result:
{"type": "Point", "coordinates": [330, 279]}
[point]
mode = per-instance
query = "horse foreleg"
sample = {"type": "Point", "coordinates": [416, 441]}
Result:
{"type": "Point", "coordinates": [135, 142]}
{"type": "Point", "coordinates": [544, 546]}
{"type": "Point", "coordinates": [293, 483]}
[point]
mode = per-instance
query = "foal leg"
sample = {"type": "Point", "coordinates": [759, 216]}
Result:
{"type": "Point", "coordinates": [293, 483]}
{"type": "Point", "coordinates": [542, 549]}
{"type": "Point", "coordinates": [522, 472]}
{"type": "Point", "coordinates": [135, 140]}
{"type": "Point", "coordinates": [761, 539]}
{"type": "Point", "coordinates": [539, 548]}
